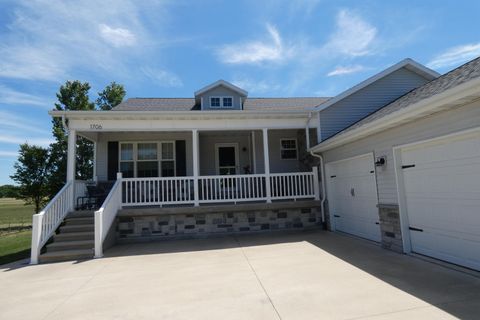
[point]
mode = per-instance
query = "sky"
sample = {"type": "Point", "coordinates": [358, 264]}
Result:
{"type": "Point", "coordinates": [271, 48]}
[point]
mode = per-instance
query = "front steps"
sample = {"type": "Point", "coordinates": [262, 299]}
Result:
{"type": "Point", "coordinates": [74, 239]}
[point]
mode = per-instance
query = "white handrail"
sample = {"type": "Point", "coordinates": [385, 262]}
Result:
{"type": "Point", "coordinates": [49, 219]}
{"type": "Point", "coordinates": [105, 216]}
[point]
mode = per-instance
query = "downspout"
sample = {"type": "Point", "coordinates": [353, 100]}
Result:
{"type": "Point", "coordinates": [307, 134]}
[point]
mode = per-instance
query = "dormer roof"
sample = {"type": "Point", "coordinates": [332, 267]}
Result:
{"type": "Point", "coordinates": [223, 83]}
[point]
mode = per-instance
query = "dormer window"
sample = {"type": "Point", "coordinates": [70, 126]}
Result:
{"type": "Point", "coordinates": [221, 102]}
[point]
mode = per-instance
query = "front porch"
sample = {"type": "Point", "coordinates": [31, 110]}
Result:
{"type": "Point", "coordinates": [176, 167]}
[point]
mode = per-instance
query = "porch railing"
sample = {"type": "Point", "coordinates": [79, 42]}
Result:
{"type": "Point", "coordinates": [47, 221]}
{"type": "Point", "coordinates": [105, 216]}
{"type": "Point", "coordinates": [218, 189]}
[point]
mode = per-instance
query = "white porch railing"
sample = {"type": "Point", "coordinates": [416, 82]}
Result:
{"type": "Point", "coordinates": [47, 221]}
{"type": "Point", "coordinates": [157, 191]}
{"type": "Point", "coordinates": [297, 185]}
{"type": "Point", "coordinates": [105, 216]}
{"type": "Point", "coordinates": [232, 188]}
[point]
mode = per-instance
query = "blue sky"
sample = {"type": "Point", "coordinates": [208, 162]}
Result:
{"type": "Point", "coordinates": [172, 48]}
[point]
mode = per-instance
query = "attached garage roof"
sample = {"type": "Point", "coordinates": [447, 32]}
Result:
{"type": "Point", "coordinates": [250, 104]}
{"type": "Point", "coordinates": [447, 81]}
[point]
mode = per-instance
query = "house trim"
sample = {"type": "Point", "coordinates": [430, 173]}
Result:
{"type": "Point", "coordinates": [221, 83]}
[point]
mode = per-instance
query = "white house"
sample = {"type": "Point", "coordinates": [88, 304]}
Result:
{"type": "Point", "coordinates": [224, 162]}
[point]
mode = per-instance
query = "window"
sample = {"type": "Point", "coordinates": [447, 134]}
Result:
{"type": "Point", "coordinates": [228, 102]}
{"type": "Point", "coordinates": [221, 102]}
{"type": "Point", "coordinates": [288, 149]}
{"type": "Point", "coordinates": [147, 159]}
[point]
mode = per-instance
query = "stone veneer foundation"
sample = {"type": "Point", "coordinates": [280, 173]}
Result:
{"type": "Point", "coordinates": [390, 227]}
{"type": "Point", "coordinates": [157, 223]}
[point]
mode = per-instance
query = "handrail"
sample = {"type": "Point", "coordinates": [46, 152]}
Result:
{"type": "Point", "coordinates": [105, 216]}
{"type": "Point", "coordinates": [49, 219]}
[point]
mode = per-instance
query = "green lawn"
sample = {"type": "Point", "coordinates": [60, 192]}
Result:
{"type": "Point", "coordinates": [15, 238]}
{"type": "Point", "coordinates": [15, 246]}
{"type": "Point", "coordinates": [15, 212]}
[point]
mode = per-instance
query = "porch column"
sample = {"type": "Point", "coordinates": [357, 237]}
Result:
{"type": "Point", "coordinates": [266, 158]}
{"type": "Point", "coordinates": [94, 174]}
{"type": "Point", "coordinates": [195, 166]}
{"type": "Point", "coordinates": [71, 163]}
{"type": "Point", "coordinates": [71, 154]}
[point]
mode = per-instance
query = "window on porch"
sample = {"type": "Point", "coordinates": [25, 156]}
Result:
{"type": "Point", "coordinates": [147, 159]}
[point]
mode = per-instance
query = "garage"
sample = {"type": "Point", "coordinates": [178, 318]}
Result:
{"type": "Point", "coordinates": [441, 184]}
{"type": "Point", "coordinates": [352, 194]}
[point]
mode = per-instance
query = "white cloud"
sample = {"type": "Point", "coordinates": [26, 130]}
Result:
{"type": "Point", "coordinates": [162, 78]}
{"type": "Point", "coordinates": [342, 70]}
{"type": "Point", "coordinates": [353, 35]}
{"type": "Point", "coordinates": [19, 124]}
{"type": "Point", "coordinates": [54, 40]}
{"type": "Point", "coordinates": [11, 96]}
{"type": "Point", "coordinates": [9, 139]}
{"type": "Point", "coordinates": [8, 153]}
{"type": "Point", "coordinates": [270, 49]}
{"type": "Point", "coordinates": [456, 55]}
{"type": "Point", "coordinates": [118, 37]}
{"type": "Point", "coordinates": [257, 87]}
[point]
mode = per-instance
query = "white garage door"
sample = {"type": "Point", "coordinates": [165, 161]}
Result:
{"type": "Point", "coordinates": [352, 196]}
{"type": "Point", "coordinates": [442, 193]}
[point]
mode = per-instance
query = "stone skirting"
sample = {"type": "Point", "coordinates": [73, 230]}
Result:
{"type": "Point", "coordinates": [390, 227]}
{"type": "Point", "coordinates": [151, 223]}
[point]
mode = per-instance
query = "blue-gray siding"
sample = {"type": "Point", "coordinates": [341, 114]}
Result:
{"type": "Point", "coordinates": [367, 100]}
{"type": "Point", "coordinates": [221, 91]}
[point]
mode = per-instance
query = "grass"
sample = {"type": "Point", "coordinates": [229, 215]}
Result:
{"type": "Point", "coordinates": [15, 246]}
{"type": "Point", "coordinates": [14, 212]}
{"type": "Point", "coordinates": [15, 240]}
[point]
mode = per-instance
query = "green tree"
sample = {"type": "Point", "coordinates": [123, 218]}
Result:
{"type": "Point", "coordinates": [73, 95]}
{"type": "Point", "coordinates": [31, 173]}
{"type": "Point", "coordinates": [111, 96]}
{"type": "Point", "coordinates": [9, 191]}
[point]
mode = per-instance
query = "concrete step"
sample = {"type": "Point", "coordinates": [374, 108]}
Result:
{"type": "Point", "coordinates": [70, 245]}
{"type": "Point", "coordinates": [79, 221]}
{"type": "Point", "coordinates": [81, 214]}
{"type": "Point", "coordinates": [74, 236]}
{"type": "Point", "coordinates": [77, 228]}
{"type": "Point", "coordinates": [66, 255]}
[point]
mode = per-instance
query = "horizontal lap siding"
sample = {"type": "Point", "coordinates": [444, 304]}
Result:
{"type": "Point", "coordinates": [382, 143]}
{"type": "Point", "coordinates": [369, 99]}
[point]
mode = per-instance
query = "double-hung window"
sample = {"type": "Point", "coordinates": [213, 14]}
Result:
{"type": "Point", "coordinates": [221, 102]}
{"type": "Point", "coordinates": [147, 159]}
{"type": "Point", "coordinates": [288, 149]}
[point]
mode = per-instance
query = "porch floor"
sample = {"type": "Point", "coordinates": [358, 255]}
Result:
{"type": "Point", "coordinates": [287, 275]}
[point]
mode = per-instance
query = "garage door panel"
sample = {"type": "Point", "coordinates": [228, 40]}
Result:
{"type": "Point", "coordinates": [353, 197]}
{"type": "Point", "coordinates": [442, 193]}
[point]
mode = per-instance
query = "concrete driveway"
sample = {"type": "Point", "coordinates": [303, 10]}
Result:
{"type": "Point", "coordinates": [301, 275]}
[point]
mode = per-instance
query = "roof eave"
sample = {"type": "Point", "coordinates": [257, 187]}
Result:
{"type": "Point", "coordinates": [414, 111]}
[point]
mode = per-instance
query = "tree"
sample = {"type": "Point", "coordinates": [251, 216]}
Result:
{"type": "Point", "coordinates": [73, 95]}
{"type": "Point", "coordinates": [31, 173]}
{"type": "Point", "coordinates": [9, 191]}
{"type": "Point", "coordinates": [111, 96]}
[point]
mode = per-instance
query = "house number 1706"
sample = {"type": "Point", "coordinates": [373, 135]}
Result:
{"type": "Point", "coordinates": [96, 126]}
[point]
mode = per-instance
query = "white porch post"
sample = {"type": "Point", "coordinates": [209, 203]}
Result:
{"type": "Point", "coordinates": [266, 158]}
{"type": "Point", "coordinates": [195, 166]}
{"type": "Point", "coordinates": [316, 186]}
{"type": "Point", "coordinates": [94, 174]}
{"type": "Point", "coordinates": [71, 163]}
{"type": "Point", "coordinates": [254, 154]}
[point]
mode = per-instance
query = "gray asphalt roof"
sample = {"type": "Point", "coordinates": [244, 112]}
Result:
{"type": "Point", "coordinates": [451, 79]}
{"type": "Point", "coordinates": [252, 104]}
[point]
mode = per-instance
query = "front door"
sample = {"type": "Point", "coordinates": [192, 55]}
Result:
{"type": "Point", "coordinates": [226, 158]}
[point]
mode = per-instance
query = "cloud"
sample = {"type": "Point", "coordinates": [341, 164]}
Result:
{"type": "Point", "coordinates": [19, 124]}
{"type": "Point", "coordinates": [257, 87]}
{"type": "Point", "coordinates": [270, 49]}
{"type": "Point", "coordinates": [9, 139]}
{"type": "Point", "coordinates": [56, 40]}
{"type": "Point", "coordinates": [11, 96]}
{"type": "Point", "coordinates": [353, 35]}
{"type": "Point", "coordinates": [343, 70]}
{"type": "Point", "coordinates": [162, 78]}
{"type": "Point", "coordinates": [8, 153]}
{"type": "Point", "coordinates": [118, 37]}
{"type": "Point", "coordinates": [455, 56]}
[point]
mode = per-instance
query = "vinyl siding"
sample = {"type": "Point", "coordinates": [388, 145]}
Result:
{"type": "Point", "coordinates": [382, 143]}
{"type": "Point", "coordinates": [367, 100]}
{"type": "Point", "coordinates": [221, 91]}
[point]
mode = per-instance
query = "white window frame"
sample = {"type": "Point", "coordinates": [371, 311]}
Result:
{"type": "Point", "coordinates": [282, 148]}
{"type": "Point", "coordinates": [222, 106]}
{"type": "Point", "coordinates": [159, 159]}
